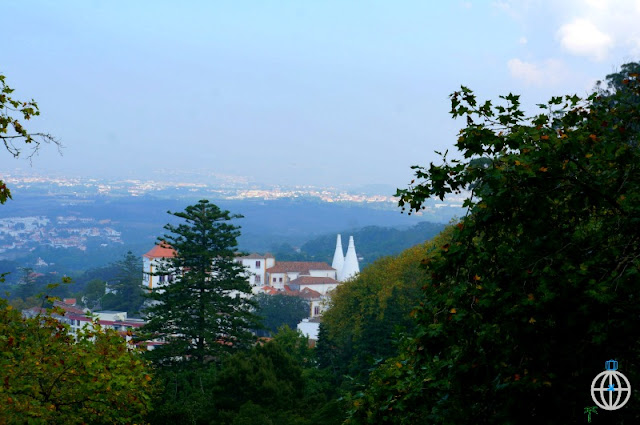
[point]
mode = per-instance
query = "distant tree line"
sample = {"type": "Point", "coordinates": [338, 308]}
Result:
{"type": "Point", "coordinates": [372, 242]}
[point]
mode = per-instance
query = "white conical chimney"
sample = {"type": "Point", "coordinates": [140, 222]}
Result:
{"type": "Point", "coordinates": [351, 266]}
{"type": "Point", "coordinates": [338, 257]}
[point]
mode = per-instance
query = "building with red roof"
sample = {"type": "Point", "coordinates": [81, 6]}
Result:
{"type": "Point", "coordinates": [285, 271]}
{"type": "Point", "coordinates": [256, 266]}
{"type": "Point", "coordinates": [77, 318]}
{"type": "Point", "coordinates": [155, 261]}
{"type": "Point", "coordinates": [320, 284]}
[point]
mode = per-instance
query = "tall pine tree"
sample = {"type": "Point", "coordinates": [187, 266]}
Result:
{"type": "Point", "coordinates": [205, 312]}
{"type": "Point", "coordinates": [128, 284]}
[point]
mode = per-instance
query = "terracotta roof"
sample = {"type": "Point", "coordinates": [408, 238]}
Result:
{"type": "Point", "coordinates": [298, 267]}
{"type": "Point", "coordinates": [161, 251]}
{"type": "Point", "coordinates": [310, 293]}
{"type": "Point", "coordinates": [69, 301]}
{"type": "Point", "coordinates": [289, 291]}
{"type": "Point", "coordinates": [269, 290]}
{"type": "Point", "coordinates": [305, 293]}
{"type": "Point", "coordinates": [312, 280]}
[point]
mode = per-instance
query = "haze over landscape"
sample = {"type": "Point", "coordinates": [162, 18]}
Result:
{"type": "Point", "coordinates": [291, 93]}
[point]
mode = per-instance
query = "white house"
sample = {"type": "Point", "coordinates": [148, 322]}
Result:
{"type": "Point", "coordinates": [319, 284]}
{"type": "Point", "coordinates": [256, 266]}
{"type": "Point", "coordinates": [153, 262]}
{"type": "Point", "coordinates": [311, 329]}
{"type": "Point", "coordinates": [285, 271]}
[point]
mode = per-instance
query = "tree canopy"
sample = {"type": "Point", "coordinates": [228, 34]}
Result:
{"type": "Point", "coordinates": [50, 377]}
{"type": "Point", "coordinates": [205, 312]}
{"type": "Point", "coordinates": [367, 311]}
{"type": "Point", "coordinates": [538, 286]}
{"type": "Point", "coordinates": [280, 309]}
{"type": "Point", "coordinates": [127, 285]}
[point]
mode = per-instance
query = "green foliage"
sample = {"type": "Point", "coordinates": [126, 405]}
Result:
{"type": "Point", "coordinates": [280, 309]}
{"type": "Point", "coordinates": [295, 344]}
{"type": "Point", "coordinates": [93, 293]}
{"type": "Point", "coordinates": [267, 376]}
{"type": "Point", "coordinates": [204, 313]}
{"type": "Point", "coordinates": [128, 294]}
{"type": "Point", "coordinates": [12, 130]}
{"type": "Point", "coordinates": [184, 396]}
{"type": "Point", "coordinates": [372, 242]}
{"type": "Point", "coordinates": [538, 286]}
{"type": "Point", "coordinates": [617, 81]}
{"type": "Point", "coordinates": [365, 312]}
{"type": "Point", "coordinates": [20, 304]}
{"type": "Point", "coordinates": [50, 378]}
{"type": "Point", "coordinates": [274, 383]}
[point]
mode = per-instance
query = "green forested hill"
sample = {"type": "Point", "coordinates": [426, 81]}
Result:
{"type": "Point", "coordinates": [371, 242]}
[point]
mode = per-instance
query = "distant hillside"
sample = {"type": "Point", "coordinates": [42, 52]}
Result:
{"type": "Point", "coordinates": [266, 226]}
{"type": "Point", "coordinates": [372, 242]}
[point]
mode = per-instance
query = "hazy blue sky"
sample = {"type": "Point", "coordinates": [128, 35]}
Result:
{"type": "Point", "coordinates": [296, 92]}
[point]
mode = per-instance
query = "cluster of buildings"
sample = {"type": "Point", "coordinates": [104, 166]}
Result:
{"type": "Point", "coordinates": [218, 186]}
{"type": "Point", "coordinates": [78, 318]}
{"type": "Point", "coordinates": [27, 233]}
{"type": "Point", "coordinates": [312, 281]}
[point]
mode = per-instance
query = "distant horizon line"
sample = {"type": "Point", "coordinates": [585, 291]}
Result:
{"type": "Point", "coordinates": [193, 177]}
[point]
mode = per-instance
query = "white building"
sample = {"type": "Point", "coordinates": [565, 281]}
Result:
{"type": "Point", "coordinates": [319, 284]}
{"type": "Point", "coordinates": [256, 266]}
{"type": "Point", "coordinates": [284, 272]}
{"type": "Point", "coordinates": [154, 261]}
{"type": "Point", "coordinates": [311, 329]}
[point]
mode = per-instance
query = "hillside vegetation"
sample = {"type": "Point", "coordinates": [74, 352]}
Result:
{"type": "Point", "coordinates": [368, 311]}
{"type": "Point", "coordinates": [372, 242]}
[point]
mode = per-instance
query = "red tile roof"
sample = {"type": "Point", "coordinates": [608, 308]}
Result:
{"type": "Point", "coordinates": [310, 293]}
{"type": "Point", "coordinates": [269, 290]}
{"type": "Point", "coordinates": [305, 293]}
{"type": "Point", "coordinates": [312, 280]}
{"type": "Point", "coordinates": [302, 267]}
{"type": "Point", "coordinates": [162, 250]}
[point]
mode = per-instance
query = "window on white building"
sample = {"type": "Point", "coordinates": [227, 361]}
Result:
{"type": "Point", "coordinates": [316, 310]}
{"type": "Point", "coordinates": [274, 279]}
{"type": "Point", "coordinates": [257, 279]}
{"type": "Point", "coordinates": [257, 264]}
{"type": "Point", "coordinates": [280, 279]}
